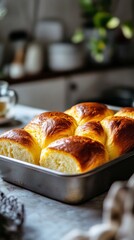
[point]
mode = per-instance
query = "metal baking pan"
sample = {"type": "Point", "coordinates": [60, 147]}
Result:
{"type": "Point", "coordinates": [71, 189]}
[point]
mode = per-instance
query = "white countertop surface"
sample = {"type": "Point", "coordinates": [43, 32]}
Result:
{"type": "Point", "coordinates": [22, 115]}
{"type": "Point", "coordinates": [47, 219]}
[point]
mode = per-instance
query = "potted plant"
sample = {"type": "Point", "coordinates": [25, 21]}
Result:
{"type": "Point", "coordinates": [100, 29]}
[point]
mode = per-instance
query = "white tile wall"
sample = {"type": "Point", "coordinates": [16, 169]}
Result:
{"type": "Point", "coordinates": [20, 13]}
{"type": "Point", "coordinates": [19, 16]}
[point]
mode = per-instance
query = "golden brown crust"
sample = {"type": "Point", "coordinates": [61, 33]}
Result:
{"type": "Point", "coordinates": [120, 135]}
{"type": "Point", "coordinates": [88, 153]}
{"type": "Point", "coordinates": [19, 136]}
{"type": "Point", "coordinates": [57, 116]}
{"type": "Point", "coordinates": [49, 126]}
{"type": "Point", "coordinates": [126, 112]}
{"type": "Point", "coordinates": [87, 111]}
{"type": "Point", "coordinates": [93, 130]}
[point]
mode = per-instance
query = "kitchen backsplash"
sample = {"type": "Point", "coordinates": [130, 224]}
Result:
{"type": "Point", "coordinates": [20, 13]}
{"type": "Point", "coordinates": [36, 35]}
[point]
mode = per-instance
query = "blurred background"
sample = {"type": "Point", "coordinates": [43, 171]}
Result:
{"type": "Point", "coordinates": [56, 53]}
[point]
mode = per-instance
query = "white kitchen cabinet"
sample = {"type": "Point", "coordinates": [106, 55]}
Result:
{"type": "Point", "coordinates": [90, 85]}
{"type": "Point", "coordinates": [63, 92]}
{"type": "Point", "coordinates": [47, 94]}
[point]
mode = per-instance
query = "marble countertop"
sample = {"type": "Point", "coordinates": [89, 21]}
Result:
{"type": "Point", "coordinates": [47, 219]}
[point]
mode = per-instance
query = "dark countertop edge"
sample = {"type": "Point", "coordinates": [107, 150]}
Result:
{"type": "Point", "coordinates": [47, 74]}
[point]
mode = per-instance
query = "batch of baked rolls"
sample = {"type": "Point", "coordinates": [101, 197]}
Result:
{"type": "Point", "coordinates": [78, 140]}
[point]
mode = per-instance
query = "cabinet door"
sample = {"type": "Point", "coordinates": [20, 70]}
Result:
{"type": "Point", "coordinates": [82, 87]}
{"type": "Point", "coordinates": [47, 94]}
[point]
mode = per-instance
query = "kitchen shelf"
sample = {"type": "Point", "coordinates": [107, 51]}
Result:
{"type": "Point", "coordinates": [47, 74]}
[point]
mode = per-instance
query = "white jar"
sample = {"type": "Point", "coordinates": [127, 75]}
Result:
{"type": "Point", "coordinates": [16, 70]}
{"type": "Point", "coordinates": [34, 59]}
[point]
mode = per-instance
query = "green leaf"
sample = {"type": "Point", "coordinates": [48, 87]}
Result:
{"type": "Point", "coordinates": [78, 36]}
{"type": "Point", "coordinates": [101, 19]}
{"type": "Point", "coordinates": [88, 6]}
{"type": "Point", "coordinates": [113, 23]}
{"type": "Point", "coordinates": [127, 30]}
{"type": "Point", "coordinates": [102, 32]}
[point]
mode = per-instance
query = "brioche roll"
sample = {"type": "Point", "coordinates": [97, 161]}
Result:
{"type": "Point", "coordinates": [49, 126]}
{"type": "Point", "coordinates": [87, 111]}
{"type": "Point", "coordinates": [126, 112]}
{"type": "Point", "coordinates": [19, 144]}
{"type": "Point", "coordinates": [120, 135]}
{"type": "Point", "coordinates": [74, 154]}
{"type": "Point", "coordinates": [93, 130]}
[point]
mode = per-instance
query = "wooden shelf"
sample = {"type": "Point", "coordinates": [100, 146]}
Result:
{"type": "Point", "coordinates": [47, 74]}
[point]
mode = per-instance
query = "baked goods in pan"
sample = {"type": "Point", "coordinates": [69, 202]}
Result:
{"type": "Point", "coordinates": [126, 112]}
{"type": "Point", "coordinates": [93, 130]}
{"type": "Point", "coordinates": [73, 154]}
{"type": "Point", "coordinates": [120, 135]}
{"type": "Point", "coordinates": [19, 144]}
{"type": "Point", "coordinates": [49, 126]}
{"type": "Point", "coordinates": [87, 111]}
{"type": "Point", "coordinates": [78, 140]}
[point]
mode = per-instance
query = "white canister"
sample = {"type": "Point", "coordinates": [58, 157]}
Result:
{"type": "Point", "coordinates": [34, 58]}
{"type": "Point", "coordinates": [65, 56]}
